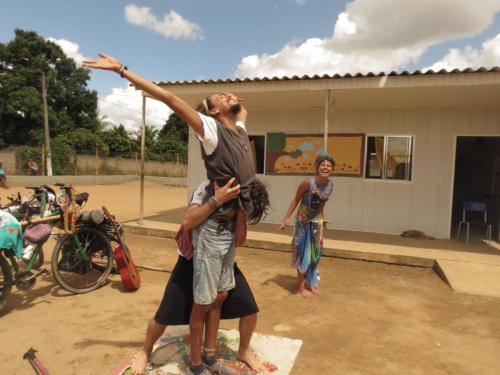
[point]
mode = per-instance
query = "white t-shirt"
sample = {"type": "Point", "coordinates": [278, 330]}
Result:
{"type": "Point", "coordinates": [197, 198]}
{"type": "Point", "coordinates": [199, 194]}
{"type": "Point", "coordinates": [210, 139]}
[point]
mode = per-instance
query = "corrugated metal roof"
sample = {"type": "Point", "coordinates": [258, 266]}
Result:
{"type": "Point", "coordinates": [327, 76]}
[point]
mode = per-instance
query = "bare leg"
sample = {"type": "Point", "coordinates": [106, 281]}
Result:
{"type": "Point", "coordinates": [302, 286]}
{"type": "Point", "coordinates": [196, 324]}
{"type": "Point", "coordinates": [247, 327]}
{"type": "Point", "coordinates": [153, 333]}
{"type": "Point", "coordinates": [212, 324]}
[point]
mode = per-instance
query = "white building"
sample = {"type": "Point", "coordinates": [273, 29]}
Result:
{"type": "Point", "coordinates": [410, 130]}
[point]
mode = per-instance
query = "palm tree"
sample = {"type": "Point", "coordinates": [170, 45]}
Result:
{"type": "Point", "coordinates": [103, 123]}
{"type": "Point", "coordinates": [151, 136]}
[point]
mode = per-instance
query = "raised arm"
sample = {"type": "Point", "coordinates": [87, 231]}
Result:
{"type": "Point", "coordinates": [242, 115]}
{"type": "Point", "coordinates": [179, 106]}
{"type": "Point", "coordinates": [303, 186]}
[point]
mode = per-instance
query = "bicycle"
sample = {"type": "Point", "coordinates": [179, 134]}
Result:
{"type": "Point", "coordinates": [82, 258]}
{"type": "Point", "coordinates": [11, 248]}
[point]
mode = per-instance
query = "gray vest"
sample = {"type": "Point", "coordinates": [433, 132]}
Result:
{"type": "Point", "coordinates": [232, 158]}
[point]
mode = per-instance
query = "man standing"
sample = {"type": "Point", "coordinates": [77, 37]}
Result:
{"type": "Point", "coordinates": [176, 305]}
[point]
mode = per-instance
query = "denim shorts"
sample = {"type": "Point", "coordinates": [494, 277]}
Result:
{"type": "Point", "coordinates": [213, 261]}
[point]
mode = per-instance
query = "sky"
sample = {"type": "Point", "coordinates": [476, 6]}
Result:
{"type": "Point", "coordinates": [171, 40]}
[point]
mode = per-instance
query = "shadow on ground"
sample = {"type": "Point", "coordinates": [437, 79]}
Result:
{"type": "Point", "coordinates": [287, 282]}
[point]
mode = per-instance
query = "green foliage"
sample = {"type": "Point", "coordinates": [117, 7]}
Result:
{"type": "Point", "coordinates": [168, 149]}
{"type": "Point", "coordinates": [119, 142]}
{"type": "Point", "coordinates": [63, 158]}
{"type": "Point", "coordinates": [83, 141]}
{"type": "Point", "coordinates": [151, 136]}
{"type": "Point", "coordinates": [23, 154]}
{"type": "Point", "coordinates": [173, 140]}
{"type": "Point", "coordinates": [175, 128]}
{"type": "Point", "coordinates": [70, 104]}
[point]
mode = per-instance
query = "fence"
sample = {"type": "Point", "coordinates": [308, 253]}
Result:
{"type": "Point", "coordinates": [91, 165]}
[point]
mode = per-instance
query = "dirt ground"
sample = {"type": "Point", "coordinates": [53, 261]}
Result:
{"type": "Point", "coordinates": [370, 318]}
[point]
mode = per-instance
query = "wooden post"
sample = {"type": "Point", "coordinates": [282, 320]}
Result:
{"type": "Point", "coordinates": [97, 161]}
{"type": "Point", "coordinates": [43, 159]}
{"type": "Point", "coordinates": [143, 145]}
{"type": "Point", "coordinates": [325, 131]}
{"type": "Point", "coordinates": [46, 125]}
{"type": "Point", "coordinates": [138, 167]}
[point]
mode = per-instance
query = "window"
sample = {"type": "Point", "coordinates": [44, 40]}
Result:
{"type": "Point", "coordinates": [389, 157]}
{"type": "Point", "coordinates": [258, 147]}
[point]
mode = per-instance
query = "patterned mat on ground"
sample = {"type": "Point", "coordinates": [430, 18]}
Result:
{"type": "Point", "coordinates": [171, 353]}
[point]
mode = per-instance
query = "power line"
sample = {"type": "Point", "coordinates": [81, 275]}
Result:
{"type": "Point", "coordinates": [130, 109]}
{"type": "Point", "coordinates": [37, 84]}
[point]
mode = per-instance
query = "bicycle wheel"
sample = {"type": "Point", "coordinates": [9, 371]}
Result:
{"type": "Point", "coordinates": [5, 280]}
{"type": "Point", "coordinates": [77, 273]}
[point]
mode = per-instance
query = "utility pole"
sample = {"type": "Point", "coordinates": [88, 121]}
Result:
{"type": "Point", "coordinates": [143, 146]}
{"type": "Point", "coordinates": [46, 126]}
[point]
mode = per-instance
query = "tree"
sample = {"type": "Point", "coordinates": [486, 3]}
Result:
{"type": "Point", "coordinates": [70, 104]}
{"type": "Point", "coordinates": [83, 141]}
{"type": "Point", "coordinates": [151, 136]}
{"type": "Point", "coordinates": [175, 128]}
{"type": "Point", "coordinates": [169, 149]}
{"type": "Point", "coordinates": [119, 141]}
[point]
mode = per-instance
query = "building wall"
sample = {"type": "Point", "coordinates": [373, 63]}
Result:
{"type": "Point", "coordinates": [374, 205]}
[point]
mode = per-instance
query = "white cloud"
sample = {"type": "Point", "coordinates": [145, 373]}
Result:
{"type": "Point", "coordinates": [69, 48]}
{"type": "Point", "coordinates": [381, 35]}
{"type": "Point", "coordinates": [468, 57]}
{"type": "Point", "coordinates": [124, 106]}
{"type": "Point", "coordinates": [173, 25]}
{"type": "Point", "coordinates": [300, 2]}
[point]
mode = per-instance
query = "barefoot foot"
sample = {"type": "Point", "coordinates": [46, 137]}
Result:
{"type": "Point", "coordinates": [251, 361]}
{"type": "Point", "coordinates": [305, 293]}
{"type": "Point", "coordinates": [313, 289]}
{"type": "Point", "coordinates": [139, 363]}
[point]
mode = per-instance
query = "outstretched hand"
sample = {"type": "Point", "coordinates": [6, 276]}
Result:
{"type": "Point", "coordinates": [105, 62]}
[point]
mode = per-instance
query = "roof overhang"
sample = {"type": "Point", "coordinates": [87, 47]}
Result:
{"type": "Point", "coordinates": [469, 89]}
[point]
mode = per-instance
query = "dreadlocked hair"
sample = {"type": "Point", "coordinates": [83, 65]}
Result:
{"type": "Point", "coordinates": [260, 201]}
{"type": "Point", "coordinates": [201, 106]}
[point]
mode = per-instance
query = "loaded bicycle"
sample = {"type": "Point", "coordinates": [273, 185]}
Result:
{"type": "Point", "coordinates": [82, 258]}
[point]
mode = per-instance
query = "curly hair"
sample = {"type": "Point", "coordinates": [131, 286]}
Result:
{"type": "Point", "coordinates": [260, 201]}
{"type": "Point", "coordinates": [321, 158]}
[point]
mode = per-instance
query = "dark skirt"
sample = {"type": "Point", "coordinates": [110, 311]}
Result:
{"type": "Point", "coordinates": [175, 307]}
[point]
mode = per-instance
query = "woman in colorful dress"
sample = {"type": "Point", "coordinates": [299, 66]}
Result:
{"type": "Point", "coordinates": [307, 242]}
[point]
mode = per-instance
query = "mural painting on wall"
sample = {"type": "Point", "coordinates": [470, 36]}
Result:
{"type": "Point", "coordinates": [294, 154]}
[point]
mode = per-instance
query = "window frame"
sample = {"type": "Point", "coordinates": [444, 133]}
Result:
{"type": "Point", "coordinates": [260, 134]}
{"type": "Point", "coordinates": [411, 158]}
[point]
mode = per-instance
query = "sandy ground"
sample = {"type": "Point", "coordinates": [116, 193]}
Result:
{"type": "Point", "coordinates": [369, 318]}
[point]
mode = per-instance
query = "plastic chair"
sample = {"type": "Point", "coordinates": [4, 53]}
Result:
{"type": "Point", "coordinates": [478, 207]}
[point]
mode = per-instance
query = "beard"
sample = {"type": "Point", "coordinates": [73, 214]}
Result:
{"type": "Point", "coordinates": [235, 108]}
